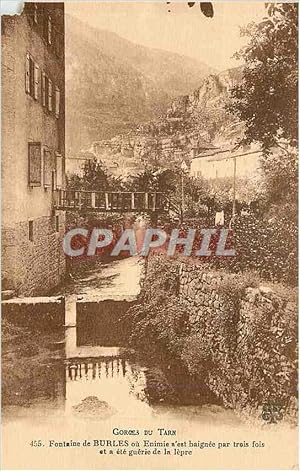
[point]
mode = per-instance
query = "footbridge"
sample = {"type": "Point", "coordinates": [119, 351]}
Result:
{"type": "Point", "coordinates": [111, 201]}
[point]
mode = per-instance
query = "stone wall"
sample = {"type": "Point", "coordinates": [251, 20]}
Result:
{"type": "Point", "coordinates": [244, 339]}
{"type": "Point", "coordinates": [33, 268]}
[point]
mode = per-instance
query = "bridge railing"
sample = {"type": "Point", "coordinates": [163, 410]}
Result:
{"type": "Point", "coordinates": [122, 201]}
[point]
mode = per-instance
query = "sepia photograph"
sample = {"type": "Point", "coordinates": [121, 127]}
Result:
{"type": "Point", "coordinates": [149, 312]}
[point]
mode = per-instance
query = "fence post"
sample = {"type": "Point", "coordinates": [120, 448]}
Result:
{"type": "Point", "coordinates": [93, 200]}
{"type": "Point", "coordinates": [154, 201]}
{"type": "Point", "coordinates": [106, 202]}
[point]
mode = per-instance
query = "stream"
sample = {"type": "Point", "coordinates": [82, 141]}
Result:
{"type": "Point", "coordinates": [87, 372]}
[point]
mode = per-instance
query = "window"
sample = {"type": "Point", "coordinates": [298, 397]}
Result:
{"type": "Point", "coordinates": [59, 170]}
{"type": "Point", "coordinates": [47, 27]}
{"type": "Point", "coordinates": [47, 168]}
{"type": "Point", "coordinates": [31, 77]}
{"type": "Point", "coordinates": [47, 94]}
{"type": "Point", "coordinates": [30, 231]}
{"type": "Point", "coordinates": [49, 30]}
{"type": "Point", "coordinates": [57, 101]}
{"type": "Point", "coordinates": [57, 223]}
{"type": "Point", "coordinates": [34, 163]}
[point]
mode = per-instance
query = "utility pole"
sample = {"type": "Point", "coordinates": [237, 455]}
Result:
{"type": "Point", "coordinates": [184, 169]}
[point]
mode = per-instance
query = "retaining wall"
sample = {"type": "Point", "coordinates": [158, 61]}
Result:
{"type": "Point", "coordinates": [246, 336]}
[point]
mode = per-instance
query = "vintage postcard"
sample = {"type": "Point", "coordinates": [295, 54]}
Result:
{"type": "Point", "coordinates": [149, 235]}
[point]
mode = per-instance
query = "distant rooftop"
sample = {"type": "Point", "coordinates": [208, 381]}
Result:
{"type": "Point", "coordinates": [218, 154]}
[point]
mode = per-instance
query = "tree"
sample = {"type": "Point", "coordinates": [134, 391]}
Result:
{"type": "Point", "coordinates": [196, 191]}
{"type": "Point", "coordinates": [280, 184]}
{"type": "Point", "coordinates": [266, 100]}
{"type": "Point", "coordinates": [206, 8]}
{"type": "Point", "coordinates": [94, 178]}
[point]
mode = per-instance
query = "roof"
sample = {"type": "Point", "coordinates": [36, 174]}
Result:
{"type": "Point", "coordinates": [218, 154]}
{"type": "Point", "coordinates": [209, 152]}
{"type": "Point", "coordinates": [230, 155]}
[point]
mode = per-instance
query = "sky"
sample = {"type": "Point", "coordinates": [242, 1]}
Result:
{"type": "Point", "coordinates": [182, 29]}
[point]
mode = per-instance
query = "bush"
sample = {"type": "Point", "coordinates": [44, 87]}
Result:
{"type": "Point", "coordinates": [268, 247]}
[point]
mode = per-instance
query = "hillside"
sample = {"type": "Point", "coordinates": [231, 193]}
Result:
{"type": "Point", "coordinates": [191, 123]}
{"type": "Point", "coordinates": [112, 84]}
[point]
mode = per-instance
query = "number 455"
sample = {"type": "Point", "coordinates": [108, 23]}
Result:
{"type": "Point", "coordinates": [36, 443]}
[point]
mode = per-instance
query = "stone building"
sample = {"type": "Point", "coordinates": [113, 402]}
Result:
{"type": "Point", "coordinates": [216, 163]}
{"type": "Point", "coordinates": [33, 148]}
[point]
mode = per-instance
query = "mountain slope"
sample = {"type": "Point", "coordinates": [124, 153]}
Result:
{"type": "Point", "coordinates": [192, 123]}
{"type": "Point", "coordinates": [113, 84]}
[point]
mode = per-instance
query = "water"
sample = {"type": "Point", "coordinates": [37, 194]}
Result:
{"type": "Point", "coordinates": [82, 379]}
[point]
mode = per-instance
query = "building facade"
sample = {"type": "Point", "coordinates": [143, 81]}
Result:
{"type": "Point", "coordinates": [219, 164]}
{"type": "Point", "coordinates": [33, 148]}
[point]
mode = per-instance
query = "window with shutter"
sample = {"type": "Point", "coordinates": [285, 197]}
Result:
{"type": "Point", "coordinates": [31, 77]}
{"type": "Point", "coordinates": [34, 163]}
{"type": "Point", "coordinates": [49, 94]}
{"type": "Point", "coordinates": [57, 101]}
{"type": "Point", "coordinates": [36, 81]}
{"type": "Point", "coordinates": [47, 168]}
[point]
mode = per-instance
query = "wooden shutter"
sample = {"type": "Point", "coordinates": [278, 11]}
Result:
{"type": "Point", "coordinates": [49, 30]}
{"type": "Point", "coordinates": [57, 101]}
{"type": "Point", "coordinates": [50, 88]}
{"type": "Point", "coordinates": [44, 89]}
{"type": "Point", "coordinates": [36, 81]}
{"type": "Point", "coordinates": [31, 76]}
{"type": "Point", "coordinates": [27, 74]}
{"type": "Point", "coordinates": [35, 13]}
{"type": "Point", "coordinates": [34, 163]}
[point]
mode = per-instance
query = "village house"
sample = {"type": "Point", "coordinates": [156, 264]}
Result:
{"type": "Point", "coordinates": [33, 148]}
{"type": "Point", "coordinates": [217, 163]}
